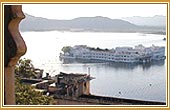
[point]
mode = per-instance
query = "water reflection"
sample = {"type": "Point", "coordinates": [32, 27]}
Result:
{"type": "Point", "coordinates": [153, 63]}
{"type": "Point", "coordinates": [127, 66]}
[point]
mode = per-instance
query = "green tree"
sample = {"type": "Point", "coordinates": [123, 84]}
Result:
{"type": "Point", "coordinates": [66, 49]}
{"type": "Point", "coordinates": [25, 68]}
{"type": "Point", "coordinates": [106, 49]}
{"type": "Point", "coordinates": [98, 49]}
{"type": "Point", "coordinates": [26, 95]}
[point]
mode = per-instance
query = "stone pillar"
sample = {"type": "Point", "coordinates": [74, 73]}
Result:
{"type": "Point", "coordinates": [14, 48]}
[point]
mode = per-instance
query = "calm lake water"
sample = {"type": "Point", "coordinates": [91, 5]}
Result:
{"type": "Point", "coordinates": [143, 82]}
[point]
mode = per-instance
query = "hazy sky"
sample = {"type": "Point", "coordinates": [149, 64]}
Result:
{"type": "Point", "coordinates": [70, 11]}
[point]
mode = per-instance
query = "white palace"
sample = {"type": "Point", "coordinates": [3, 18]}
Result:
{"type": "Point", "coordinates": [120, 54]}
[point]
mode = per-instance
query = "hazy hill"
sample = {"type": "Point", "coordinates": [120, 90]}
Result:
{"type": "Point", "coordinates": [97, 24]}
{"type": "Point", "coordinates": [157, 20]}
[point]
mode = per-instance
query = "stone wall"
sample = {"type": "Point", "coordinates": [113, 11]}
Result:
{"type": "Point", "coordinates": [73, 102]}
{"type": "Point", "coordinates": [100, 100]}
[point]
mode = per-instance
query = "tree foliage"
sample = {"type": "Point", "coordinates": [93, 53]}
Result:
{"type": "Point", "coordinates": [25, 68]}
{"type": "Point", "coordinates": [66, 49]}
{"type": "Point", "coordinates": [26, 94]}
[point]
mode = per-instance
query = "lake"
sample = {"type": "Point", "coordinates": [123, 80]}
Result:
{"type": "Point", "coordinates": [142, 81]}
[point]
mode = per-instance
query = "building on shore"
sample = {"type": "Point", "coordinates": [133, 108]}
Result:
{"type": "Point", "coordinates": [138, 54]}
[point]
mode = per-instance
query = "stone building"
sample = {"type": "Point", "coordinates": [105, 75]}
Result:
{"type": "Point", "coordinates": [70, 85]}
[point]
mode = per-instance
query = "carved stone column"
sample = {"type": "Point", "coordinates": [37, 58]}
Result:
{"type": "Point", "coordinates": [14, 48]}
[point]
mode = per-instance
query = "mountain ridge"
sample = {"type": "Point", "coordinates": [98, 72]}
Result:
{"type": "Point", "coordinates": [94, 24]}
{"type": "Point", "coordinates": [157, 20]}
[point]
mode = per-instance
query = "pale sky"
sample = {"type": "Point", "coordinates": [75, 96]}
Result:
{"type": "Point", "coordinates": [114, 11]}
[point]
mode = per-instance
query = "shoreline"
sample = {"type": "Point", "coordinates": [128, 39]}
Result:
{"type": "Point", "coordinates": [62, 31]}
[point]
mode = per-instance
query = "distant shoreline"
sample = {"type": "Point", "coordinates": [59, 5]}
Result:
{"type": "Point", "coordinates": [157, 33]}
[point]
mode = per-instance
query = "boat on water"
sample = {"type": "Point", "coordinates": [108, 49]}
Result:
{"type": "Point", "coordinates": [137, 54]}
